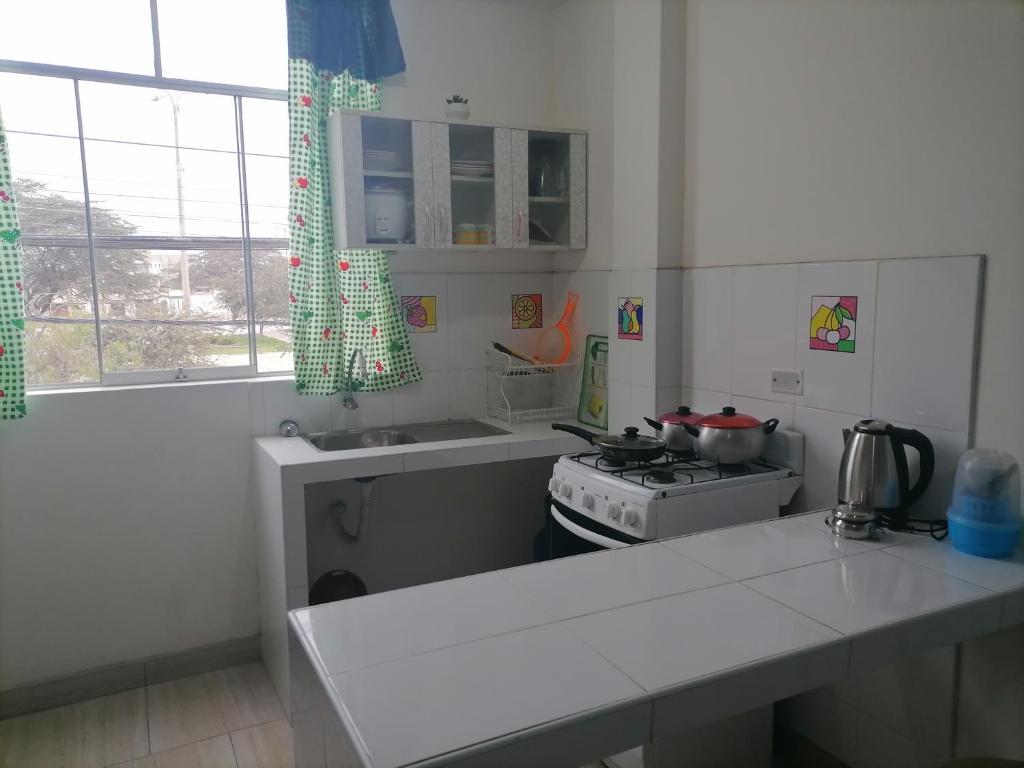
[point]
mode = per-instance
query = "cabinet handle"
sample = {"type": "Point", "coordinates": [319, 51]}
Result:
{"type": "Point", "coordinates": [445, 234]}
{"type": "Point", "coordinates": [430, 221]}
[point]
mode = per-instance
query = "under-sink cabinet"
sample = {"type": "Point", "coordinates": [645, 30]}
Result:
{"type": "Point", "coordinates": [403, 184]}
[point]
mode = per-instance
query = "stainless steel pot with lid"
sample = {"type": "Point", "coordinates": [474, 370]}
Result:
{"type": "Point", "coordinates": [729, 437]}
{"type": "Point", "coordinates": [671, 426]}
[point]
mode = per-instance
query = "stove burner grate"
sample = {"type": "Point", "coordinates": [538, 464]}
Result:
{"type": "Point", "coordinates": [661, 476]}
{"type": "Point", "coordinates": [670, 469]}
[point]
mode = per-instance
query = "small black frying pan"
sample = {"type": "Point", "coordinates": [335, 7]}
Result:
{"type": "Point", "coordinates": [630, 446]}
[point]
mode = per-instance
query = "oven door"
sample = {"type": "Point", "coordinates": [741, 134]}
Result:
{"type": "Point", "coordinates": [570, 533]}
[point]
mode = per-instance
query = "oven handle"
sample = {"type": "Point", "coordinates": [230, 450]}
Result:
{"type": "Point", "coordinates": [585, 534]}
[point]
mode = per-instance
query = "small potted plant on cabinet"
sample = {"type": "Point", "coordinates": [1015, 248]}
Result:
{"type": "Point", "coordinates": [458, 107]}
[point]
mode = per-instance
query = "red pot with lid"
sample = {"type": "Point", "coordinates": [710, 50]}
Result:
{"type": "Point", "coordinates": [671, 426]}
{"type": "Point", "coordinates": [729, 437]}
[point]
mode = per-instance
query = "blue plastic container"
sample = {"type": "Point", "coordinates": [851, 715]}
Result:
{"type": "Point", "coordinates": [983, 539]}
{"type": "Point", "coordinates": [984, 517]}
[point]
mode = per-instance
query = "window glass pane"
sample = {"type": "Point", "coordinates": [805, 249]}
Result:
{"type": "Point", "coordinates": [225, 41]}
{"type": "Point", "coordinates": [60, 332]}
{"type": "Point", "coordinates": [267, 185]}
{"type": "Point", "coordinates": [139, 186]}
{"type": "Point", "coordinates": [270, 295]}
{"type": "Point", "coordinates": [157, 316]}
{"type": "Point", "coordinates": [149, 115]}
{"type": "Point", "coordinates": [60, 351]}
{"type": "Point", "coordinates": [266, 126]}
{"type": "Point", "coordinates": [38, 104]}
{"type": "Point", "coordinates": [113, 35]}
{"type": "Point", "coordinates": [48, 184]}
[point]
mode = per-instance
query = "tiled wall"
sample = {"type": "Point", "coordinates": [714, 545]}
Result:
{"type": "Point", "coordinates": [913, 364]}
{"type": "Point", "coordinates": [645, 375]}
{"type": "Point", "coordinates": [473, 309]}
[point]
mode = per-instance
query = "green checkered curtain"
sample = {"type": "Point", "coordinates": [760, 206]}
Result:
{"type": "Point", "coordinates": [12, 306]}
{"type": "Point", "coordinates": [340, 301]}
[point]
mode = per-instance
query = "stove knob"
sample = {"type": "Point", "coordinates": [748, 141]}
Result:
{"type": "Point", "coordinates": [588, 501]}
{"type": "Point", "coordinates": [632, 517]}
{"type": "Point", "coordinates": [567, 491]}
{"type": "Point", "coordinates": [614, 510]}
{"type": "Point", "coordinates": [553, 484]}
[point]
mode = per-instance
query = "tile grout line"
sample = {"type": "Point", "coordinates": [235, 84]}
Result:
{"type": "Point", "coordinates": [149, 728]}
{"type": "Point", "coordinates": [794, 610]}
{"type": "Point", "coordinates": [231, 743]}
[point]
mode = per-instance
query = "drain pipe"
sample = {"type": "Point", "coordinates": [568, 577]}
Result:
{"type": "Point", "coordinates": [338, 509]}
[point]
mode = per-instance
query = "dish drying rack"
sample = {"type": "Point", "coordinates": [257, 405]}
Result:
{"type": "Point", "coordinates": [519, 391]}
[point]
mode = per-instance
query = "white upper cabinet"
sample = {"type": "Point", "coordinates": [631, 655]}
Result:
{"type": "Point", "coordinates": [411, 185]}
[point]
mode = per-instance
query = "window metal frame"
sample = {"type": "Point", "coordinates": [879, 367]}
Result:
{"type": "Point", "coordinates": [245, 241]}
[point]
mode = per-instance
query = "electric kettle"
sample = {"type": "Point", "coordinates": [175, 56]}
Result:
{"type": "Point", "coordinates": [874, 479]}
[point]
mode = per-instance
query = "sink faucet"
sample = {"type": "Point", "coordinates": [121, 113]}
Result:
{"type": "Point", "coordinates": [349, 401]}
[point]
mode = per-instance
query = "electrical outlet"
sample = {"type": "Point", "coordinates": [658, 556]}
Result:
{"type": "Point", "coordinates": [788, 382]}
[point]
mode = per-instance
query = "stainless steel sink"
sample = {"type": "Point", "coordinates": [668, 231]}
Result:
{"type": "Point", "coordinates": [369, 438]}
{"type": "Point", "coordinates": [401, 434]}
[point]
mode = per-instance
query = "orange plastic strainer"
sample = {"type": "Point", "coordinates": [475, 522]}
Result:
{"type": "Point", "coordinates": [555, 342]}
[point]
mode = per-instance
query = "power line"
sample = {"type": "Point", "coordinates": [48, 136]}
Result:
{"type": "Point", "coordinates": [151, 197]}
{"type": "Point", "coordinates": [126, 182]}
{"type": "Point", "coordinates": [130, 142]}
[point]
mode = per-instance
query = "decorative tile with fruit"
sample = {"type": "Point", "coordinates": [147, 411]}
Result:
{"type": "Point", "coordinates": [834, 323]}
{"type": "Point", "coordinates": [631, 318]}
{"type": "Point", "coordinates": [527, 310]}
{"type": "Point", "coordinates": [420, 313]}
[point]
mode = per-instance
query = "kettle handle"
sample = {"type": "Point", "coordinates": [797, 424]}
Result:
{"type": "Point", "coordinates": [923, 446]}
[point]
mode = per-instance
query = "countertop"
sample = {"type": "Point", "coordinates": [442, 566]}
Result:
{"type": "Point", "coordinates": [554, 662]}
{"type": "Point", "coordinates": [301, 463]}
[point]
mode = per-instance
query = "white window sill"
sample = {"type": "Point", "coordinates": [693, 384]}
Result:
{"type": "Point", "coordinates": [65, 389]}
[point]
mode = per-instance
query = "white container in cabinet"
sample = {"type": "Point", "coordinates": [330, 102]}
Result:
{"type": "Point", "coordinates": [381, 173]}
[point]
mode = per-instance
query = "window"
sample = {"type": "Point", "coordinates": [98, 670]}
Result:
{"type": "Point", "coordinates": [153, 211]}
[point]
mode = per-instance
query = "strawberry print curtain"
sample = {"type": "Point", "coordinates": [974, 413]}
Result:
{"type": "Point", "coordinates": [341, 301]}
{"type": "Point", "coordinates": [12, 306]}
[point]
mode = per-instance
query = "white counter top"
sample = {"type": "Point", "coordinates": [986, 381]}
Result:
{"type": "Point", "coordinates": [570, 660]}
{"type": "Point", "coordinates": [301, 463]}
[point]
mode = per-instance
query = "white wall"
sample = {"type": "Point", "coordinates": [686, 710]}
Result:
{"type": "Point", "coordinates": [579, 89]}
{"type": "Point", "coordinates": [124, 531]}
{"type": "Point", "coordinates": [493, 53]}
{"type": "Point", "coordinates": [869, 130]}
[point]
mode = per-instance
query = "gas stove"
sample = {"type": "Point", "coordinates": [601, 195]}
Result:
{"type": "Point", "coordinates": [679, 493]}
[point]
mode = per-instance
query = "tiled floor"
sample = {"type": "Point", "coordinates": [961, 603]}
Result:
{"type": "Point", "coordinates": [225, 719]}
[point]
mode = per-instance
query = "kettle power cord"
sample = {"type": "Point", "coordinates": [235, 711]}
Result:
{"type": "Point", "coordinates": [937, 529]}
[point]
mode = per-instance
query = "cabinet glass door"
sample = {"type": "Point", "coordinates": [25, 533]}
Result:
{"type": "Point", "coordinates": [472, 162]}
{"type": "Point", "coordinates": [549, 188]}
{"type": "Point", "coordinates": [388, 189]}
